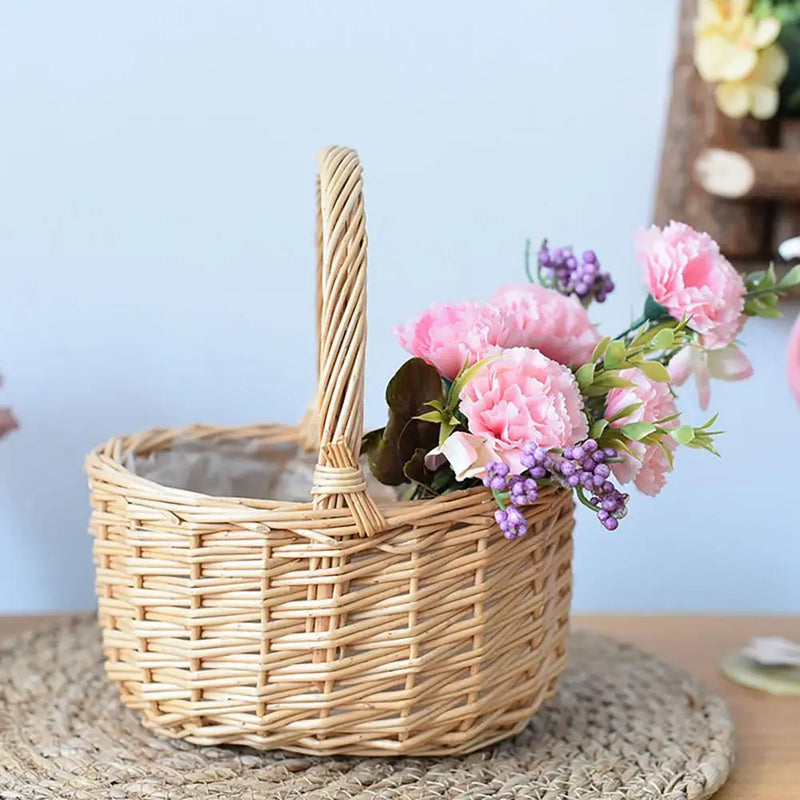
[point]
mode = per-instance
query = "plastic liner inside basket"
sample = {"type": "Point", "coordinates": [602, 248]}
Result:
{"type": "Point", "coordinates": [238, 468]}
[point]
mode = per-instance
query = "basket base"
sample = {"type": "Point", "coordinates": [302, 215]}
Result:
{"type": "Point", "coordinates": [621, 722]}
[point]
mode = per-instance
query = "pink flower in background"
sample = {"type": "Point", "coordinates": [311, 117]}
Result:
{"type": "Point", "coordinates": [686, 272]}
{"type": "Point", "coordinates": [793, 361]}
{"type": "Point", "coordinates": [449, 335]}
{"type": "Point", "coordinates": [8, 421]}
{"type": "Point", "coordinates": [557, 325]}
{"type": "Point", "coordinates": [726, 364]}
{"type": "Point", "coordinates": [649, 466]}
{"type": "Point", "coordinates": [523, 396]}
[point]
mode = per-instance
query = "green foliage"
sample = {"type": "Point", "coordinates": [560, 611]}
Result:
{"type": "Point", "coordinates": [636, 431]}
{"type": "Point", "coordinates": [409, 429]}
{"type": "Point", "coordinates": [701, 438]}
{"type": "Point", "coordinates": [654, 311]}
{"type": "Point", "coordinates": [446, 414]}
{"type": "Point", "coordinates": [764, 289]}
{"type": "Point", "coordinates": [647, 348]}
{"type": "Point", "coordinates": [787, 11]}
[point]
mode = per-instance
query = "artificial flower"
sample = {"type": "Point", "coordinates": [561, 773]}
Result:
{"type": "Point", "coordinates": [793, 360]}
{"type": "Point", "coordinates": [726, 364]}
{"type": "Point", "coordinates": [448, 336]}
{"type": "Point", "coordinates": [523, 396]}
{"type": "Point", "coordinates": [728, 39]}
{"type": "Point", "coordinates": [553, 323]}
{"type": "Point", "coordinates": [648, 401]}
{"type": "Point", "coordinates": [468, 455]}
{"type": "Point", "coordinates": [737, 50]}
{"type": "Point", "coordinates": [8, 422]}
{"type": "Point", "coordinates": [573, 275]}
{"type": "Point", "coordinates": [688, 275]}
{"type": "Point", "coordinates": [757, 93]}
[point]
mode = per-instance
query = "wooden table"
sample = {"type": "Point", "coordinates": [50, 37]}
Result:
{"type": "Point", "coordinates": [768, 728]}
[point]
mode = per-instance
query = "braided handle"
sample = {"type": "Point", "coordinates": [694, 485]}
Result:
{"type": "Point", "coordinates": [342, 331]}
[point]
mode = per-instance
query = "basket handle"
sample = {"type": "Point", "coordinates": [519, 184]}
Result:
{"type": "Point", "coordinates": [342, 332]}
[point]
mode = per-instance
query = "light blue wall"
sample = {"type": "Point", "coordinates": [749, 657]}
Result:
{"type": "Point", "coordinates": [156, 224]}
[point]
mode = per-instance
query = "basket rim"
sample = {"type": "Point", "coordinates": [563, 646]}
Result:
{"type": "Point", "coordinates": [104, 464]}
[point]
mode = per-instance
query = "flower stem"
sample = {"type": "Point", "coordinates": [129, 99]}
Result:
{"type": "Point", "coordinates": [528, 261]}
{"type": "Point", "coordinates": [582, 498]}
{"type": "Point", "coordinates": [639, 322]}
{"type": "Point", "coordinates": [500, 498]}
{"type": "Point", "coordinates": [757, 292]}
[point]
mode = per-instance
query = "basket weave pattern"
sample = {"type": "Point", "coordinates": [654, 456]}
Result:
{"type": "Point", "coordinates": [334, 626]}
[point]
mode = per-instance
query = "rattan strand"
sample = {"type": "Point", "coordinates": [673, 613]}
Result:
{"type": "Point", "coordinates": [622, 726]}
{"type": "Point", "coordinates": [333, 626]}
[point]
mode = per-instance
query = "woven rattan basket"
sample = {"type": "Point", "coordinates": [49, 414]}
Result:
{"type": "Point", "coordinates": [335, 626]}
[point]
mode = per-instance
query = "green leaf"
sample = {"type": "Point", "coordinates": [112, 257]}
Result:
{"type": "Point", "coordinates": [655, 370]}
{"type": "Point", "coordinates": [772, 278]}
{"type": "Point", "coordinates": [791, 278]}
{"type": "Point", "coordinates": [618, 441]}
{"type": "Point", "coordinates": [600, 348]}
{"type": "Point", "coordinates": [626, 411]}
{"type": "Point", "coordinates": [668, 453]}
{"type": "Point", "coordinates": [654, 311]}
{"type": "Point", "coordinates": [415, 470]}
{"type": "Point", "coordinates": [412, 389]}
{"type": "Point", "coordinates": [465, 375]}
{"type": "Point", "coordinates": [615, 354]}
{"type": "Point", "coordinates": [753, 279]}
{"type": "Point", "coordinates": [762, 307]}
{"type": "Point", "coordinates": [664, 339]}
{"type": "Point", "coordinates": [598, 427]}
{"type": "Point", "coordinates": [445, 429]}
{"type": "Point", "coordinates": [709, 423]}
{"type": "Point", "coordinates": [431, 416]}
{"type": "Point", "coordinates": [683, 434]}
{"type": "Point", "coordinates": [770, 299]}
{"type": "Point", "coordinates": [585, 375]}
{"type": "Point", "coordinates": [638, 430]}
{"type": "Point", "coordinates": [609, 380]}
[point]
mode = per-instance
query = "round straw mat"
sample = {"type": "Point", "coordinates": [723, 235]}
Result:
{"type": "Point", "coordinates": [623, 724]}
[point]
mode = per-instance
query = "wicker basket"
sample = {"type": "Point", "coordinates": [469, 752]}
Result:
{"type": "Point", "coordinates": [335, 626]}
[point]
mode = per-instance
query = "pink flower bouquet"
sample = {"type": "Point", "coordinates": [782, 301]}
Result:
{"type": "Point", "coordinates": [523, 390]}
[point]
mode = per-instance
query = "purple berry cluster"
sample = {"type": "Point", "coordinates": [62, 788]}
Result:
{"type": "Point", "coordinates": [583, 467]}
{"type": "Point", "coordinates": [572, 275]}
{"type": "Point", "coordinates": [522, 491]}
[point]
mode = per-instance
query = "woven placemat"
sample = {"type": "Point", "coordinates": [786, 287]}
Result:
{"type": "Point", "coordinates": [622, 725]}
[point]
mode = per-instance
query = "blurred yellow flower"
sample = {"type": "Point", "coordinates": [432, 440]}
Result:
{"type": "Point", "coordinates": [757, 93]}
{"type": "Point", "coordinates": [738, 52]}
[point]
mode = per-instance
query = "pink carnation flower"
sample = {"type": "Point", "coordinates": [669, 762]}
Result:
{"type": "Point", "coordinates": [688, 275]}
{"type": "Point", "coordinates": [648, 467]}
{"type": "Point", "coordinates": [449, 335]}
{"type": "Point", "coordinates": [556, 325]}
{"type": "Point", "coordinates": [523, 396]}
{"type": "Point", "coordinates": [793, 360]}
{"type": "Point", "coordinates": [8, 422]}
